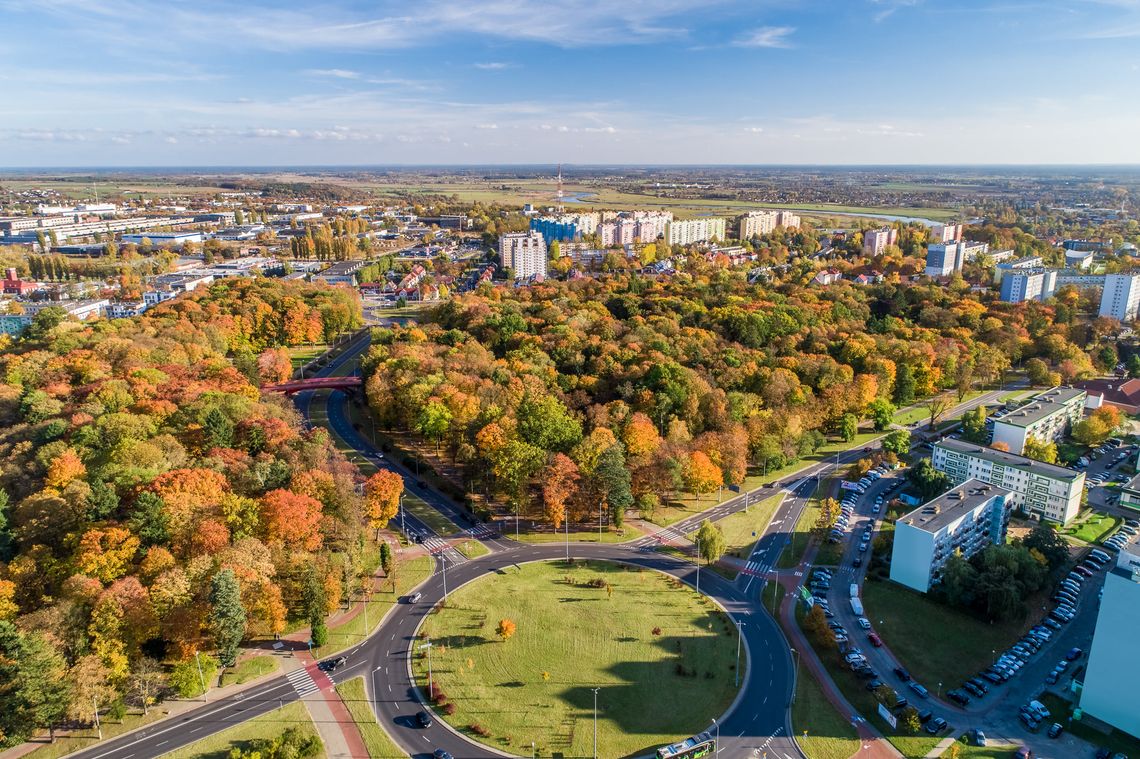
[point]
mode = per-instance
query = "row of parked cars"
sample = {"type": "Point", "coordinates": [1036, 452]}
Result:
{"type": "Point", "coordinates": [1122, 536]}
{"type": "Point", "coordinates": [1006, 666]}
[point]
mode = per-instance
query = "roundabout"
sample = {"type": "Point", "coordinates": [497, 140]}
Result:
{"type": "Point", "coordinates": [516, 656]}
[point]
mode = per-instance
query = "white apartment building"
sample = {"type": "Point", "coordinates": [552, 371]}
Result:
{"type": "Point", "coordinates": [967, 518]}
{"type": "Point", "coordinates": [1109, 691]}
{"type": "Point", "coordinates": [787, 220]}
{"type": "Point", "coordinates": [1028, 284]}
{"type": "Point", "coordinates": [876, 240]}
{"type": "Point", "coordinates": [971, 249]}
{"type": "Point", "coordinates": [1079, 279]}
{"type": "Point", "coordinates": [1005, 267]}
{"type": "Point", "coordinates": [755, 223]}
{"type": "Point", "coordinates": [944, 258]}
{"type": "Point", "coordinates": [694, 230]}
{"type": "Point", "coordinates": [1047, 417]}
{"type": "Point", "coordinates": [1045, 491]}
{"type": "Point", "coordinates": [1121, 296]}
{"type": "Point", "coordinates": [524, 253]}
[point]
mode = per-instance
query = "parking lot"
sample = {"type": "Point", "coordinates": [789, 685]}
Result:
{"type": "Point", "coordinates": [997, 700]}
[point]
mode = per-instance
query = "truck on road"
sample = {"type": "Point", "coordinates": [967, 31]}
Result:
{"type": "Point", "coordinates": [857, 606]}
{"type": "Point", "coordinates": [854, 590]}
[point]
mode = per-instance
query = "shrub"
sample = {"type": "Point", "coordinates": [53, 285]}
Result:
{"type": "Point", "coordinates": [656, 630]}
{"type": "Point", "coordinates": [448, 708]}
{"type": "Point", "coordinates": [479, 730]}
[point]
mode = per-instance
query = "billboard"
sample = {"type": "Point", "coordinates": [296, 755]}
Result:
{"type": "Point", "coordinates": [889, 718]}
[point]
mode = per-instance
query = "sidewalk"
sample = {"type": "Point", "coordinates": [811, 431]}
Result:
{"type": "Point", "coordinates": [875, 746]}
{"type": "Point", "coordinates": [330, 716]}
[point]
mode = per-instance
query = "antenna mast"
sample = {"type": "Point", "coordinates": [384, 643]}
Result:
{"type": "Point", "coordinates": [559, 206]}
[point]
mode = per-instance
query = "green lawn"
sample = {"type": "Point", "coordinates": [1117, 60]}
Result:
{"type": "Point", "coordinates": [1115, 741]}
{"type": "Point", "coordinates": [269, 725]}
{"type": "Point", "coordinates": [570, 638]}
{"type": "Point", "coordinates": [1091, 527]}
{"type": "Point", "coordinates": [440, 524]}
{"type": "Point", "coordinates": [577, 535]}
{"type": "Point", "coordinates": [376, 740]}
{"type": "Point", "coordinates": [772, 598]}
{"type": "Point", "coordinates": [303, 354]}
{"type": "Point", "coordinates": [250, 669]}
{"type": "Point", "coordinates": [409, 573]}
{"type": "Point", "coordinates": [936, 643]}
{"type": "Point", "coordinates": [920, 413]}
{"type": "Point", "coordinates": [829, 734]}
{"type": "Point", "coordinates": [1016, 395]}
{"type": "Point", "coordinates": [86, 738]}
{"type": "Point", "coordinates": [472, 549]}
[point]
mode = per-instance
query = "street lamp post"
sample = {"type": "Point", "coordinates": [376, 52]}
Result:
{"type": "Point", "coordinates": [595, 721]}
{"type": "Point", "coordinates": [717, 726]}
{"type": "Point", "coordinates": [698, 565]}
{"type": "Point", "coordinates": [939, 690]}
{"type": "Point", "coordinates": [201, 679]}
{"type": "Point", "coordinates": [796, 658]}
{"type": "Point", "coordinates": [566, 524]}
{"type": "Point", "coordinates": [428, 647]}
{"type": "Point", "coordinates": [739, 635]}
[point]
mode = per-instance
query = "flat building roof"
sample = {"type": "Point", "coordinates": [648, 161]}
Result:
{"type": "Point", "coordinates": [958, 501]}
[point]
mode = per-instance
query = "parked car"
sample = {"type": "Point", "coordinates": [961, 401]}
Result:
{"type": "Point", "coordinates": [958, 697]}
{"type": "Point", "coordinates": [1055, 730]}
{"type": "Point", "coordinates": [935, 726]}
{"type": "Point", "coordinates": [977, 738]}
{"type": "Point", "coordinates": [902, 674]}
{"type": "Point", "coordinates": [1074, 654]}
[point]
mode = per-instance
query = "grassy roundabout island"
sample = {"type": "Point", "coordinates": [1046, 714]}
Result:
{"type": "Point", "coordinates": [661, 655]}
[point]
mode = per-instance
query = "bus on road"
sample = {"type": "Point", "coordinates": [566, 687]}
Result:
{"type": "Point", "coordinates": [690, 748]}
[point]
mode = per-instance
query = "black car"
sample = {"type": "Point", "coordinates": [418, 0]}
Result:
{"type": "Point", "coordinates": [423, 719]}
{"type": "Point", "coordinates": [958, 697]}
{"type": "Point", "coordinates": [935, 726]}
{"type": "Point", "coordinates": [873, 684]}
{"type": "Point", "coordinates": [1055, 730]}
{"type": "Point", "coordinates": [902, 674]}
{"type": "Point", "coordinates": [973, 689]}
{"type": "Point", "coordinates": [441, 754]}
{"type": "Point", "coordinates": [332, 665]}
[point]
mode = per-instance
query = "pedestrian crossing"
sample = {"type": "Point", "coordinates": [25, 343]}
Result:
{"type": "Point", "coordinates": [482, 532]}
{"type": "Point", "coordinates": [756, 568]}
{"type": "Point", "coordinates": [302, 682]}
{"type": "Point", "coordinates": [666, 535]}
{"type": "Point", "coordinates": [437, 546]}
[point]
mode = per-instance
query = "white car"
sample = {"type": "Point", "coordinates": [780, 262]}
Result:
{"type": "Point", "coordinates": [865, 623]}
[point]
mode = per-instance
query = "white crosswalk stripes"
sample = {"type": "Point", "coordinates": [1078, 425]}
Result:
{"type": "Point", "coordinates": [482, 532]}
{"type": "Point", "coordinates": [756, 568]}
{"type": "Point", "coordinates": [301, 681]}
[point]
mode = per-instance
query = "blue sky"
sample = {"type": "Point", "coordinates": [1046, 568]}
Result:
{"type": "Point", "coordinates": [134, 82]}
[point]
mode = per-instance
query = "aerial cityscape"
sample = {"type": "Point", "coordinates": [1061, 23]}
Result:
{"type": "Point", "coordinates": [431, 380]}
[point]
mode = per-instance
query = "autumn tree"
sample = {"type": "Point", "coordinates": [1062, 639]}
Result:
{"type": "Point", "coordinates": [506, 629]}
{"type": "Point", "coordinates": [291, 519]}
{"type": "Point", "coordinates": [702, 476]}
{"type": "Point", "coordinates": [1040, 450]}
{"type": "Point", "coordinates": [559, 485]}
{"type": "Point", "coordinates": [828, 513]}
{"type": "Point", "coordinates": [382, 493]}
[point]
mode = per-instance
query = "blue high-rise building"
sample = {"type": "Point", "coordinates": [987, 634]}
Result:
{"type": "Point", "coordinates": [555, 229]}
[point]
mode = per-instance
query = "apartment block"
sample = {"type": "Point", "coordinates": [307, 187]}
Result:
{"type": "Point", "coordinates": [967, 518]}
{"type": "Point", "coordinates": [1028, 262]}
{"type": "Point", "coordinates": [946, 233]}
{"type": "Point", "coordinates": [944, 258]}
{"type": "Point", "coordinates": [1047, 417]}
{"type": "Point", "coordinates": [1028, 284]}
{"type": "Point", "coordinates": [1121, 296]}
{"type": "Point", "coordinates": [787, 220]}
{"type": "Point", "coordinates": [1109, 692]}
{"type": "Point", "coordinates": [755, 223]}
{"type": "Point", "coordinates": [876, 240]}
{"type": "Point", "coordinates": [694, 230]}
{"type": "Point", "coordinates": [1045, 491]}
{"type": "Point", "coordinates": [524, 253]}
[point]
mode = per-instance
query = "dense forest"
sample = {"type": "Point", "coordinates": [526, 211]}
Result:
{"type": "Point", "coordinates": [602, 394]}
{"type": "Point", "coordinates": [153, 504]}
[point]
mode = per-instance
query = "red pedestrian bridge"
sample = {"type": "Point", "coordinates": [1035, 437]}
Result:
{"type": "Point", "coordinates": [315, 383]}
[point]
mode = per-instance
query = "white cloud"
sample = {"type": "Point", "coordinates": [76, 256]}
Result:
{"type": "Point", "coordinates": [754, 130]}
{"type": "Point", "coordinates": [492, 66]}
{"type": "Point", "coordinates": [766, 36]}
{"type": "Point", "coordinates": [486, 126]}
{"type": "Point", "coordinates": [333, 73]}
{"type": "Point", "coordinates": [890, 6]}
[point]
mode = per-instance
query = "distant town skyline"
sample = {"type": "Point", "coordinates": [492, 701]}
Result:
{"type": "Point", "coordinates": [811, 82]}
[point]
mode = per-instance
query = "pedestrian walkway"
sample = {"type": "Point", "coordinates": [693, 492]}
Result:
{"type": "Point", "coordinates": [334, 723]}
{"type": "Point", "coordinates": [301, 681]}
{"type": "Point", "coordinates": [941, 748]}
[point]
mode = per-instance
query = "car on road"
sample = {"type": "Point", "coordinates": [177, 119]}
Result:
{"type": "Point", "coordinates": [441, 754]}
{"type": "Point", "coordinates": [875, 640]}
{"type": "Point", "coordinates": [1074, 654]}
{"type": "Point", "coordinates": [414, 598]}
{"type": "Point", "coordinates": [423, 719]}
{"type": "Point", "coordinates": [1023, 753]}
{"type": "Point", "coordinates": [1055, 730]}
{"type": "Point", "coordinates": [901, 674]}
{"type": "Point", "coordinates": [332, 665]}
{"type": "Point", "coordinates": [920, 690]}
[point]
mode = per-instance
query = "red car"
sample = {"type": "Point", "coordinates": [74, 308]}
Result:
{"type": "Point", "coordinates": [876, 641]}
